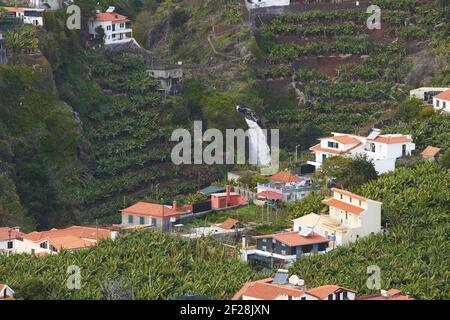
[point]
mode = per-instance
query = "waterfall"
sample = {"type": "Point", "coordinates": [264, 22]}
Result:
{"type": "Point", "coordinates": [259, 148]}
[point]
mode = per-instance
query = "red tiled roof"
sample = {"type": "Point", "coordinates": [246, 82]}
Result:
{"type": "Point", "coordinates": [317, 147]}
{"type": "Point", "coordinates": [90, 233]}
{"type": "Point", "coordinates": [293, 238]}
{"type": "Point", "coordinates": [115, 17]}
{"type": "Point", "coordinates": [12, 9]}
{"type": "Point", "coordinates": [285, 176]}
{"type": "Point", "coordinates": [265, 290]}
{"type": "Point", "coordinates": [150, 209]}
{"type": "Point", "coordinates": [270, 195]}
{"type": "Point", "coordinates": [9, 233]}
{"type": "Point", "coordinates": [332, 202]}
{"type": "Point", "coordinates": [228, 224]}
{"type": "Point", "coordinates": [344, 139]}
{"type": "Point", "coordinates": [350, 194]}
{"type": "Point", "coordinates": [69, 242]}
{"type": "Point", "coordinates": [392, 294]}
{"type": "Point", "coordinates": [391, 139]}
{"type": "Point", "coordinates": [444, 95]}
{"type": "Point", "coordinates": [324, 291]}
{"type": "Point", "coordinates": [430, 151]}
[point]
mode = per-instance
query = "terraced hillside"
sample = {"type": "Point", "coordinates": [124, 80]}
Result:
{"type": "Point", "coordinates": [129, 135]}
{"type": "Point", "coordinates": [324, 69]}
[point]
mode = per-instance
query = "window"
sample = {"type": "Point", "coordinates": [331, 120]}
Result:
{"type": "Point", "coordinates": [404, 150]}
{"type": "Point", "coordinates": [345, 295]}
{"type": "Point", "coordinates": [342, 196]}
{"type": "Point", "coordinates": [141, 220]}
{"type": "Point", "coordinates": [350, 199]}
{"type": "Point", "coordinates": [324, 156]}
{"type": "Point", "coordinates": [303, 298]}
{"type": "Point", "coordinates": [153, 222]}
{"type": "Point", "coordinates": [108, 28]}
{"type": "Point", "coordinates": [130, 219]}
{"type": "Point", "coordinates": [330, 297]}
{"type": "Point", "coordinates": [333, 145]}
{"type": "Point", "coordinates": [10, 245]}
{"type": "Point", "coordinates": [443, 104]}
{"type": "Point", "coordinates": [372, 147]}
{"type": "Point", "coordinates": [121, 25]}
{"type": "Point", "coordinates": [43, 245]}
{"type": "Point", "coordinates": [437, 103]}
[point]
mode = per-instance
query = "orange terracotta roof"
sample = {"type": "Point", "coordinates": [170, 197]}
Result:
{"type": "Point", "coordinates": [344, 139]}
{"type": "Point", "coordinates": [332, 202]}
{"type": "Point", "coordinates": [69, 242]}
{"type": "Point", "coordinates": [350, 194]}
{"type": "Point", "coordinates": [324, 291]}
{"type": "Point", "coordinates": [265, 290]}
{"type": "Point", "coordinates": [285, 176]}
{"type": "Point", "coordinates": [317, 147]}
{"type": "Point", "coordinates": [391, 139]}
{"type": "Point", "coordinates": [293, 238]}
{"type": "Point", "coordinates": [270, 195]}
{"type": "Point", "coordinates": [90, 233]}
{"type": "Point", "coordinates": [228, 224]}
{"type": "Point", "coordinates": [430, 151]}
{"type": "Point", "coordinates": [150, 209]}
{"type": "Point", "coordinates": [444, 95]}
{"type": "Point", "coordinates": [392, 294]}
{"type": "Point", "coordinates": [9, 233]}
{"type": "Point", "coordinates": [115, 17]}
{"type": "Point", "coordinates": [11, 9]}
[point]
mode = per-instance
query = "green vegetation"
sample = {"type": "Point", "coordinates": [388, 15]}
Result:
{"type": "Point", "coordinates": [151, 265]}
{"type": "Point", "coordinates": [413, 254]}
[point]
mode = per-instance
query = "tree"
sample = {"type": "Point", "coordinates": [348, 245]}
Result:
{"type": "Point", "coordinates": [444, 159]}
{"type": "Point", "coordinates": [408, 110]}
{"type": "Point", "coordinates": [312, 203]}
{"type": "Point", "coordinates": [346, 172]}
{"type": "Point", "coordinates": [100, 34]}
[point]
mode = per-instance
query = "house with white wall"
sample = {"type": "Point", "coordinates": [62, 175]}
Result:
{"type": "Point", "coordinates": [283, 287]}
{"type": "Point", "coordinates": [33, 16]}
{"type": "Point", "coordinates": [52, 241]}
{"type": "Point", "coordinates": [150, 215]}
{"type": "Point", "coordinates": [351, 217]}
{"type": "Point", "coordinates": [382, 149]}
{"type": "Point", "coordinates": [442, 101]}
{"type": "Point", "coordinates": [116, 27]}
{"type": "Point", "coordinates": [287, 185]}
{"type": "Point", "coordinates": [256, 4]}
{"type": "Point", "coordinates": [426, 94]}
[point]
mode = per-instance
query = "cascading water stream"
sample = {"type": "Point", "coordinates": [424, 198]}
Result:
{"type": "Point", "coordinates": [259, 148]}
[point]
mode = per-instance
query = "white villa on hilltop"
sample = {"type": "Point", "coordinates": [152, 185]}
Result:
{"type": "Point", "coordinates": [351, 217]}
{"type": "Point", "coordinates": [116, 27]}
{"type": "Point", "coordinates": [383, 150]}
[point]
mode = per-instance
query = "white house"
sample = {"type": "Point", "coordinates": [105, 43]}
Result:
{"type": "Point", "coordinates": [383, 150]}
{"type": "Point", "coordinates": [150, 215]}
{"type": "Point", "coordinates": [286, 187]}
{"type": "Point", "coordinates": [6, 292]}
{"type": "Point", "coordinates": [351, 217]}
{"type": "Point", "coordinates": [255, 4]}
{"type": "Point", "coordinates": [116, 27]}
{"type": "Point", "coordinates": [442, 101]}
{"type": "Point", "coordinates": [282, 287]}
{"type": "Point", "coordinates": [426, 94]}
{"type": "Point", "coordinates": [52, 241]}
{"type": "Point", "coordinates": [34, 16]}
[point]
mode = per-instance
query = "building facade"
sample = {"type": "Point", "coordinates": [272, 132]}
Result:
{"type": "Point", "coordinates": [382, 150]}
{"type": "Point", "coordinates": [442, 101]}
{"type": "Point", "coordinates": [149, 215]}
{"type": "Point", "coordinates": [351, 217]}
{"type": "Point", "coordinates": [116, 27]}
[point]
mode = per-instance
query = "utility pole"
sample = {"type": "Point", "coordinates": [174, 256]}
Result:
{"type": "Point", "coordinates": [296, 153]}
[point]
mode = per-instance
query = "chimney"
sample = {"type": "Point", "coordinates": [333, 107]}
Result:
{"type": "Point", "coordinates": [17, 229]}
{"type": "Point", "coordinates": [174, 205]}
{"type": "Point", "coordinates": [228, 195]}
